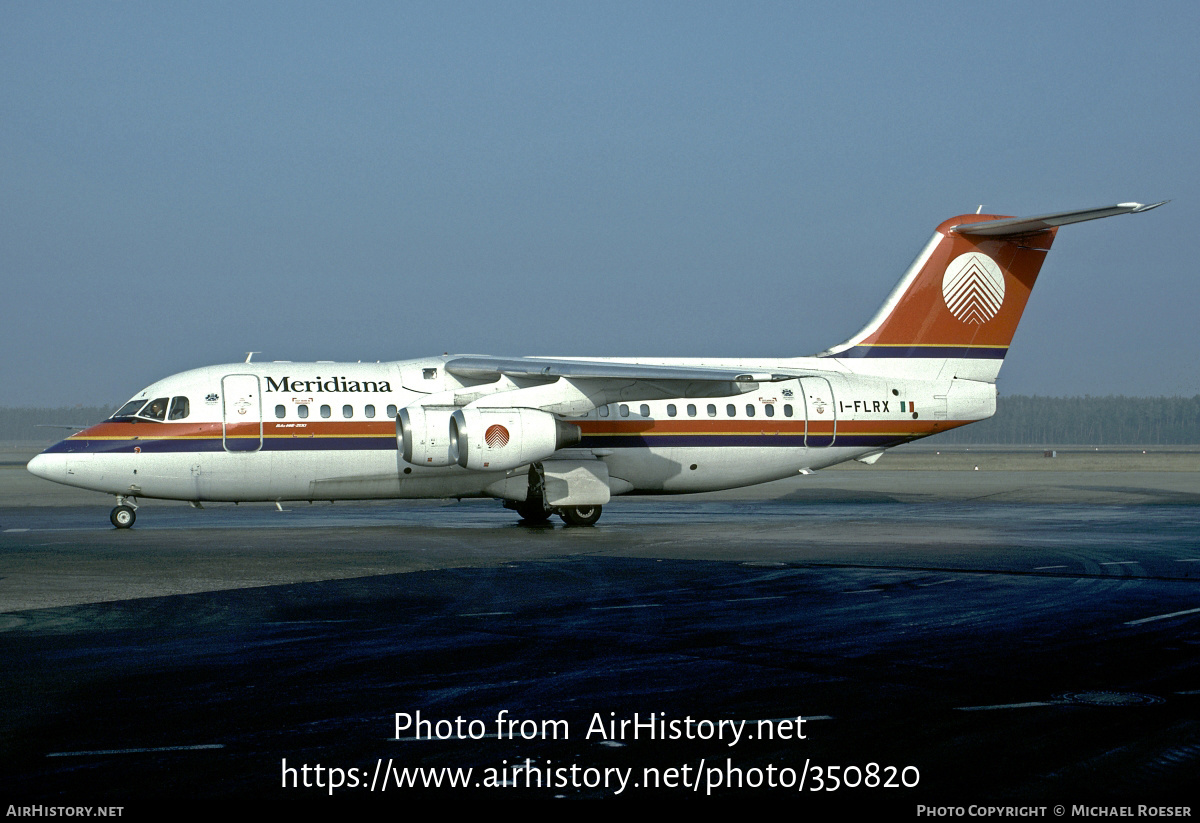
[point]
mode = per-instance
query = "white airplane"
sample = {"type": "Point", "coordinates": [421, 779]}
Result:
{"type": "Point", "coordinates": [562, 435]}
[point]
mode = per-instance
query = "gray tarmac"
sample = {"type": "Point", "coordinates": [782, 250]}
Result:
{"type": "Point", "coordinates": [1013, 634]}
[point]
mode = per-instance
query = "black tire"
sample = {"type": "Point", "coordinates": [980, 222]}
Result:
{"type": "Point", "coordinates": [580, 515]}
{"type": "Point", "coordinates": [122, 517]}
{"type": "Point", "coordinates": [533, 512]}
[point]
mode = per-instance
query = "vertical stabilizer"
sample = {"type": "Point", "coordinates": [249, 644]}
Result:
{"type": "Point", "coordinates": [963, 296]}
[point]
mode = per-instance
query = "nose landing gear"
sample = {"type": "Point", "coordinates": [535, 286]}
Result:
{"type": "Point", "coordinates": [125, 513]}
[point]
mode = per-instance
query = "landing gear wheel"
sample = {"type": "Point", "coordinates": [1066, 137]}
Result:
{"type": "Point", "coordinates": [533, 512]}
{"type": "Point", "coordinates": [580, 515]}
{"type": "Point", "coordinates": [122, 517]}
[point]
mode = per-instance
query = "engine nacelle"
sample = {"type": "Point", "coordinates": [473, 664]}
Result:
{"type": "Point", "coordinates": [488, 439]}
{"type": "Point", "coordinates": [423, 435]}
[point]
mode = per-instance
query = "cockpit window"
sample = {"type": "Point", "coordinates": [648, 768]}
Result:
{"type": "Point", "coordinates": [130, 408]}
{"type": "Point", "coordinates": [156, 410]}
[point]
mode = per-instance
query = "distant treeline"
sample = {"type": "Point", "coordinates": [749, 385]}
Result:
{"type": "Point", "coordinates": [1023, 420]}
{"type": "Point", "coordinates": [45, 424]}
{"type": "Point", "coordinates": [1020, 420]}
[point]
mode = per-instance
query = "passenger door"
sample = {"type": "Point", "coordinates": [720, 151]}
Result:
{"type": "Point", "coordinates": [819, 411]}
{"type": "Point", "coordinates": [242, 405]}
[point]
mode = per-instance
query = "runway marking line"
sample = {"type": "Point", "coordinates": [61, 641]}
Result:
{"type": "Point", "coordinates": [1004, 706]}
{"type": "Point", "coordinates": [1121, 563]}
{"type": "Point", "coordinates": [749, 599]}
{"type": "Point", "coordinates": [483, 614]}
{"type": "Point", "coordinates": [1161, 617]}
{"type": "Point", "coordinates": [1044, 568]}
{"type": "Point", "coordinates": [139, 751]}
{"type": "Point", "coordinates": [635, 606]}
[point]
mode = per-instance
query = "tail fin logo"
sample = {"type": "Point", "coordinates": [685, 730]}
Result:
{"type": "Point", "coordinates": [973, 288]}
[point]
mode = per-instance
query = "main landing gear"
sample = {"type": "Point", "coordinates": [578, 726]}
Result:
{"type": "Point", "coordinates": [533, 514]}
{"type": "Point", "coordinates": [125, 513]}
{"type": "Point", "coordinates": [580, 515]}
{"type": "Point", "coordinates": [533, 508]}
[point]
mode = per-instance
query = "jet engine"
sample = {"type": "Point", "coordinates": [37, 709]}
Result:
{"type": "Point", "coordinates": [487, 439]}
{"type": "Point", "coordinates": [423, 435]}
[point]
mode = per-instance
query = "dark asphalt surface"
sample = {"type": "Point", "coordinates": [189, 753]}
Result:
{"type": "Point", "coordinates": [992, 654]}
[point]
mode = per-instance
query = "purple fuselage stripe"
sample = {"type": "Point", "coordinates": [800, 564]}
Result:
{"type": "Point", "coordinates": [620, 441]}
{"type": "Point", "coordinates": [937, 352]}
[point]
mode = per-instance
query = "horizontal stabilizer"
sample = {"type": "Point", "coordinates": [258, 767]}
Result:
{"type": "Point", "coordinates": [1010, 226]}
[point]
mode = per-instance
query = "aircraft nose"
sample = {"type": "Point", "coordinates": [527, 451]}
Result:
{"type": "Point", "coordinates": [48, 466]}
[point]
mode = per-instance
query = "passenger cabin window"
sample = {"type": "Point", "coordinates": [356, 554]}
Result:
{"type": "Point", "coordinates": [302, 410]}
{"type": "Point", "coordinates": [691, 409]}
{"type": "Point", "coordinates": [624, 410]}
{"type": "Point", "coordinates": [670, 410]}
{"type": "Point", "coordinates": [369, 410]}
{"type": "Point", "coordinates": [391, 411]}
{"type": "Point", "coordinates": [731, 410]}
{"type": "Point", "coordinates": [325, 411]}
{"type": "Point", "coordinates": [769, 409]}
{"type": "Point", "coordinates": [280, 411]}
{"type": "Point", "coordinates": [645, 410]}
{"type": "Point", "coordinates": [712, 410]}
{"type": "Point", "coordinates": [787, 410]}
{"type": "Point", "coordinates": [602, 411]}
{"type": "Point", "coordinates": [180, 408]}
{"type": "Point", "coordinates": [749, 409]}
{"type": "Point", "coordinates": [347, 411]}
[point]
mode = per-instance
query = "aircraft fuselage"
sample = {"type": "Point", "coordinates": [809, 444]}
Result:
{"type": "Point", "coordinates": [327, 431]}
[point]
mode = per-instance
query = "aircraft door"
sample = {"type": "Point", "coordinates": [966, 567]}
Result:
{"type": "Point", "coordinates": [242, 404]}
{"type": "Point", "coordinates": [820, 412]}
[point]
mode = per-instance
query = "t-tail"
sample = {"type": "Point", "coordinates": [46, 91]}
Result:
{"type": "Point", "coordinates": [954, 312]}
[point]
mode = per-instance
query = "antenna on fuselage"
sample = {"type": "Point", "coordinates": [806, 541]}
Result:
{"type": "Point", "coordinates": [250, 354]}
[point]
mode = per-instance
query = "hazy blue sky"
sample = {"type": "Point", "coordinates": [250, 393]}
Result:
{"type": "Point", "coordinates": [181, 183]}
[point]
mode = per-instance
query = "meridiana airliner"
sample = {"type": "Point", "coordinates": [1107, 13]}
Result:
{"type": "Point", "coordinates": [561, 436]}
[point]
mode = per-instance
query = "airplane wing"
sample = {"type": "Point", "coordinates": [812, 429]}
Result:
{"type": "Point", "coordinates": [574, 386]}
{"type": "Point", "coordinates": [482, 367]}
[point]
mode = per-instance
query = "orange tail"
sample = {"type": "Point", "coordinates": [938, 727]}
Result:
{"type": "Point", "coordinates": [963, 296]}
